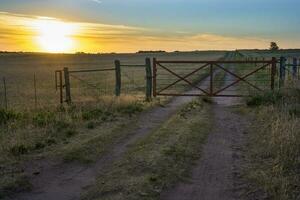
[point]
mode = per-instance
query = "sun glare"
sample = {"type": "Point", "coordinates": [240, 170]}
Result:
{"type": "Point", "coordinates": [55, 36]}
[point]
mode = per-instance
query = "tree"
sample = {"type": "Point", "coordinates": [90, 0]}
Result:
{"type": "Point", "coordinates": [274, 46]}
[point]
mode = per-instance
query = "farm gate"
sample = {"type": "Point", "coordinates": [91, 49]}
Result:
{"type": "Point", "coordinates": [222, 78]}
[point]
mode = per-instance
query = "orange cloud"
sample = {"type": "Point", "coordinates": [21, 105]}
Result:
{"type": "Point", "coordinates": [21, 32]}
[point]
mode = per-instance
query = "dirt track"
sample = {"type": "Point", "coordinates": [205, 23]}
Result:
{"type": "Point", "coordinates": [62, 181]}
{"type": "Point", "coordinates": [216, 174]}
{"type": "Point", "coordinates": [212, 178]}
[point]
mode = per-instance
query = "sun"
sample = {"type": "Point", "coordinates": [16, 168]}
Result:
{"type": "Point", "coordinates": [55, 36]}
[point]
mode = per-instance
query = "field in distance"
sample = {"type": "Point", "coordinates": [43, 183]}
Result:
{"type": "Point", "coordinates": [19, 69]}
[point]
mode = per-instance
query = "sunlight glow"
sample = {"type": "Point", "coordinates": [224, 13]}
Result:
{"type": "Point", "coordinates": [55, 36]}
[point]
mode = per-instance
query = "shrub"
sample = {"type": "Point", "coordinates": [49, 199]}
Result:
{"type": "Point", "coordinates": [267, 98]}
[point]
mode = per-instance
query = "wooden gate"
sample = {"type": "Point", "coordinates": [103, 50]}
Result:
{"type": "Point", "coordinates": [256, 76]}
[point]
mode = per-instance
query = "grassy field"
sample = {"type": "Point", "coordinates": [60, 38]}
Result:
{"type": "Point", "coordinates": [19, 70]}
{"type": "Point", "coordinates": [87, 129]}
{"type": "Point", "coordinates": [81, 132]}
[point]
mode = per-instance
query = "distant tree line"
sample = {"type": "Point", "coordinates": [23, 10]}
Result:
{"type": "Point", "coordinates": [159, 51]}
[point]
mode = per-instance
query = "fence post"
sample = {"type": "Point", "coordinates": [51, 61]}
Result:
{"type": "Point", "coordinates": [282, 71]}
{"type": "Point", "coordinates": [294, 68]}
{"type": "Point", "coordinates": [118, 78]}
{"type": "Point", "coordinates": [35, 94]}
{"type": "Point", "coordinates": [211, 86]}
{"type": "Point", "coordinates": [273, 71]}
{"type": "Point", "coordinates": [154, 77]}
{"type": "Point", "coordinates": [5, 93]}
{"type": "Point", "coordinates": [148, 79]}
{"type": "Point", "coordinates": [67, 85]}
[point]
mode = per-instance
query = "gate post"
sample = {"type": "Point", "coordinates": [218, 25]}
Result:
{"type": "Point", "coordinates": [294, 68]}
{"type": "Point", "coordinates": [282, 71]}
{"type": "Point", "coordinates": [148, 79]}
{"type": "Point", "coordinates": [67, 85]}
{"type": "Point", "coordinates": [273, 72]}
{"type": "Point", "coordinates": [118, 78]}
{"type": "Point", "coordinates": [211, 80]}
{"type": "Point", "coordinates": [154, 77]}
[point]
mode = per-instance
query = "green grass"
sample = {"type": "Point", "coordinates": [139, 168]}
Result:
{"type": "Point", "coordinates": [158, 161]}
{"type": "Point", "coordinates": [274, 146]}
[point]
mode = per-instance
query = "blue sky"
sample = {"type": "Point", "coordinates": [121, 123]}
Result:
{"type": "Point", "coordinates": [270, 19]}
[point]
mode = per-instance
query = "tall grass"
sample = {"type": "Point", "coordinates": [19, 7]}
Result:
{"type": "Point", "coordinates": [275, 145]}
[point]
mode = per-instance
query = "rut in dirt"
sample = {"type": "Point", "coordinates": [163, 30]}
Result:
{"type": "Point", "coordinates": [62, 181]}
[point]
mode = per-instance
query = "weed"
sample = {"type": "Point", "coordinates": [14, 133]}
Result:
{"type": "Point", "coordinates": [8, 115]}
{"type": "Point", "coordinates": [43, 118]}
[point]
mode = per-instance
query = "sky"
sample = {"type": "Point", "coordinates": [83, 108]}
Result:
{"type": "Point", "coordinates": [132, 25]}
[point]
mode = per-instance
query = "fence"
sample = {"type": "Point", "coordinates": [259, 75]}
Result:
{"type": "Point", "coordinates": [288, 70]}
{"type": "Point", "coordinates": [122, 82]}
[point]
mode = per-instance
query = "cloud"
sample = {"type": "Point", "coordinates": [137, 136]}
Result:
{"type": "Point", "coordinates": [97, 1]}
{"type": "Point", "coordinates": [17, 32]}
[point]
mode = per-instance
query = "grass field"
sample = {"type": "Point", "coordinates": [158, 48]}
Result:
{"type": "Point", "coordinates": [19, 70]}
{"type": "Point", "coordinates": [97, 120]}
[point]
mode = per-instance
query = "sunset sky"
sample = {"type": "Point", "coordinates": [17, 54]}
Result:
{"type": "Point", "coordinates": [132, 25]}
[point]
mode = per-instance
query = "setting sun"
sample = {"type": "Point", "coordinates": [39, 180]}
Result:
{"type": "Point", "coordinates": [54, 36]}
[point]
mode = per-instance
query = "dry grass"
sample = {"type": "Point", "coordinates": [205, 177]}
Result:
{"type": "Point", "coordinates": [275, 147]}
{"type": "Point", "coordinates": [19, 70]}
{"type": "Point", "coordinates": [77, 133]}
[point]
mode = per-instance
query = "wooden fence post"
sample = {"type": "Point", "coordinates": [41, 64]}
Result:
{"type": "Point", "coordinates": [282, 71]}
{"type": "Point", "coordinates": [5, 93]}
{"type": "Point", "coordinates": [273, 72]}
{"type": "Point", "coordinates": [295, 68]}
{"type": "Point", "coordinates": [211, 85]}
{"type": "Point", "coordinates": [148, 79]}
{"type": "Point", "coordinates": [67, 85]}
{"type": "Point", "coordinates": [154, 77]}
{"type": "Point", "coordinates": [35, 94]}
{"type": "Point", "coordinates": [118, 78]}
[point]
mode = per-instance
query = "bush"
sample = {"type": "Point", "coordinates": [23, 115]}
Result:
{"type": "Point", "coordinates": [267, 98]}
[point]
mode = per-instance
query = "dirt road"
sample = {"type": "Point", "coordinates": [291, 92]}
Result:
{"type": "Point", "coordinates": [216, 174]}
{"type": "Point", "coordinates": [63, 181]}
